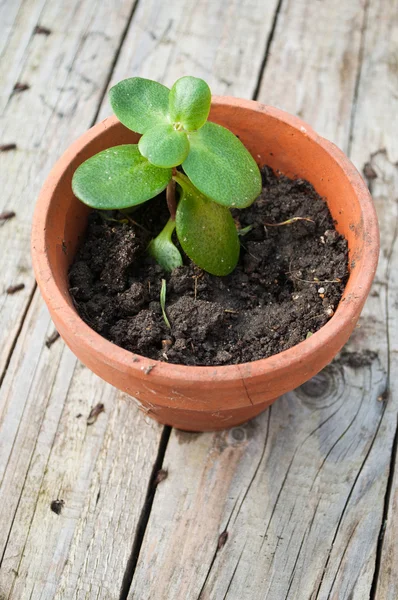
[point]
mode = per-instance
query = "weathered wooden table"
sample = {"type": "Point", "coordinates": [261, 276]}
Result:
{"type": "Point", "coordinates": [303, 501]}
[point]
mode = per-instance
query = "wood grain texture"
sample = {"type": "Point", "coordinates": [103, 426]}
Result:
{"type": "Point", "coordinates": [313, 64]}
{"type": "Point", "coordinates": [8, 15]}
{"type": "Point", "coordinates": [297, 495]}
{"type": "Point", "coordinates": [42, 121]}
{"type": "Point", "coordinates": [374, 140]}
{"type": "Point", "coordinates": [290, 488]}
{"type": "Point", "coordinates": [18, 20]}
{"type": "Point", "coordinates": [47, 450]}
{"type": "Point", "coordinates": [301, 489]}
{"type": "Point", "coordinates": [48, 453]}
{"type": "Point", "coordinates": [376, 110]}
{"type": "Point", "coordinates": [222, 42]}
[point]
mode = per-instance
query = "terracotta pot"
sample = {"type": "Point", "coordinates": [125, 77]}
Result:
{"type": "Point", "coordinates": [210, 398]}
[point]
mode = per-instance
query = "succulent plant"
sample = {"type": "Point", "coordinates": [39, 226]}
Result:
{"type": "Point", "coordinates": [204, 166]}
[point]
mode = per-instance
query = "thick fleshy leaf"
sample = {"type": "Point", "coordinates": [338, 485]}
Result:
{"type": "Point", "coordinates": [163, 146]}
{"type": "Point", "coordinates": [189, 102]}
{"type": "Point", "coordinates": [206, 231]}
{"type": "Point", "coordinates": [220, 166]}
{"type": "Point", "coordinates": [140, 103]}
{"type": "Point", "coordinates": [163, 250]}
{"type": "Point", "coordinates": [118, 177]}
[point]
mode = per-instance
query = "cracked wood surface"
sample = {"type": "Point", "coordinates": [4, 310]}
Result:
{"type": "Point", "coordinates": [47, 452]}
{"type": "Point", "coordinates": [66, 69]}
{"type": "Point", "coordinates": [376, 120]}
{"type": "Point", "coordinates": [300, 491]}
{"type": "Point", "coordinates": [53, 454]}
{"type": "Point", "coordinates": [222, 41]}
{"type": "Point", "coordinates": [292, 504]}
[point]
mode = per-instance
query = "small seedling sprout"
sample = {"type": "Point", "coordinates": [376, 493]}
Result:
{"type": "Point", "coordinates": [163, 303]}
{"type": "Point", "coordinates": [245, 230]}
{"type": "Point", "coordinates": [204, 167]}
{"type": "Point", "coordinates": [290, 221]}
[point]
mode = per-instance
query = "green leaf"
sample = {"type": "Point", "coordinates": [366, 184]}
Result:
{"type": "Point", "coordinates": [189, 102]}
{"type": "Point", "coordinates": [221, 167]}
{"type": "Point", "coordinates": [140, 103]}
{"type": "Point", "coordinates": [163, 146]}
{"type": "Point", "coordinates": [163, 303]}
{"type": "Point", "coordinates": [206, 231]}
{"type": "Point", "coordinates": [118, 177]}
{"type": "Point", "coordinates": [163, 250]}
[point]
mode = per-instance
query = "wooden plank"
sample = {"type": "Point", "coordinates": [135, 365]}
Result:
{"type": "Point", "coordinates": [374, 141]}
{"type": "Point", "coordinates": [314, 62]}
{"type": "Point", "coordinates": [350, 569]}
{"type": "Point", "coordinates": [222, 42]}
{"type": "Point", "coordinates": [387, 583]}
{"type": "Point", "coordinates": [301, 489]}
{"type": "Point", "coordinates": [8, 16]}
{"type": "Point", "coordinates": [18, 19]}
{"type": "Point", "coordinates": [87, 545]}
{"type": "Point", "coordinates": [42, 121]}
{"type": "Point", "coordinates": [49, 452]}
{"type": "Point", "coordinates": [280, 487]}
{"type": "Point", "coordinates": [62, 96]}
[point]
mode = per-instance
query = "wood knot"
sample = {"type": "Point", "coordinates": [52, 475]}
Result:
{"type": "Point", "coordinates": [238, 434]}
{"type": "Point", "coordinates": [241, 434]}
{"type": "Point", "coordinates": [317, 386]}
{"type": "Point", "coordinates": [318, 390]}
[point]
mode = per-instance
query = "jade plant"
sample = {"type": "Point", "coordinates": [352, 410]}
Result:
{"type": "Point", "coordinates": [204, 166]}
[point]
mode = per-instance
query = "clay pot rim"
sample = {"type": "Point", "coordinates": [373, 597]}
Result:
{"type": "Point", "coordinates": [124, 360]}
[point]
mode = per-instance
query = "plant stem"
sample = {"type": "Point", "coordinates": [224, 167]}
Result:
{"type": "Point", "coordinates": [183, 181]}
{"type": "Point", "coordinates": [171, 199]}
{"type": "Point", "coordinates": [163, 250]}
{"type": "Point", "coordinates": [185, 184]}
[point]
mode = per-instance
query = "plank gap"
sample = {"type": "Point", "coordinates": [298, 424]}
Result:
{"type": "Point", "coordinates": [267, 50]}
{"type": "Point", "coordinates": [361, 55]}
{"type": "Point", "coordinates": [115, 60]}
{"type": "Point", "coordinates": [18, 333]}
{"type": "Point", "coordinates": [94, 119]}
{"type": "Point", "coordinates": [145, 515]}
{"type": "Point", "coordinates": [10, 91]}
{"type": "Point", "coordinates": [394, 450]}
{"type": "Point", "coordinates": [387, 500]}
{"type": "Point", "coordinates": [345, 507]}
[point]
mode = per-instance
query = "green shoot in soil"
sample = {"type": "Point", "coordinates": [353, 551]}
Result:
{"type": "Point", "coordinates": [216, 172]}
{"type": "Point", "coordinates": [163, 303]}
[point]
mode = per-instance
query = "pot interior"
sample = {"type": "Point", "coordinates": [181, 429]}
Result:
{"type": "Point", "coordinates": [283, 143]}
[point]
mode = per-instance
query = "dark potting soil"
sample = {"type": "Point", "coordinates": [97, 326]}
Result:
{"type": "Point", "coordinates": [287, 284]}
